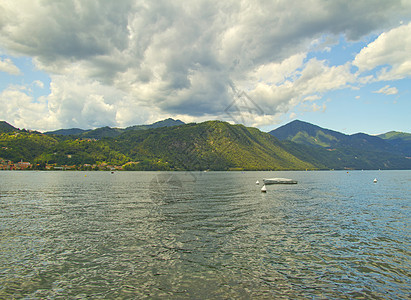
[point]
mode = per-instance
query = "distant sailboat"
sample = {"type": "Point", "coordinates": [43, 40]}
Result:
{"type": "Point", "coordinates": [257, 182]}
{"type": "Point", "coordinates": [263, 189]}
{"type": "Point", "coordinates": [375, 180]}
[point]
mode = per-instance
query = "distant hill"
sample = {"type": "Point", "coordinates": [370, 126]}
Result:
{"type": "Point", "coordinates": [6, 127]}
{"type": "Point", "coordinates": [71, 131]}
{"type": "Point", "coordinates": [104, 132]}
{"type": "Point", "coordinates": [165, 123]}
{"type": "Point", "coordinates": [337, 150]}
{"type": "Point", "coordinates": [393, 135]}
{"type": "Point", "coordinates": [308, 134]}
{"type": "Point", "coordinates": [401, 141]}
{"type": "Point", "coordinates": [312, 135]}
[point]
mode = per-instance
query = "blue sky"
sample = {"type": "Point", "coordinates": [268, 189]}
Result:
{"type": "Point", "coordinates": [29, 77]}
{"type": "Point", "coordinates": [358, 110]}
{"type": "Point", "coordinates": [342, 67]}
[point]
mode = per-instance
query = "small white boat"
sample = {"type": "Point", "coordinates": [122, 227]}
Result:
{"type": "Point", "coordinates": [257, 182]}
{"type": "Point", "coordinates": [263, 189]}
{"type": "Point", "coordinates": [375, 180]}
{"type": "Point", "coordinates": [279, 181]}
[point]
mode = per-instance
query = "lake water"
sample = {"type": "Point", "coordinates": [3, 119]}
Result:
{"type": "Point", "coordinates": [182, 235]}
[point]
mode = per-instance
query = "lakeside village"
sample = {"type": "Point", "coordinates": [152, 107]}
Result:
{"type": "Point", "coordinates": [22, 165]}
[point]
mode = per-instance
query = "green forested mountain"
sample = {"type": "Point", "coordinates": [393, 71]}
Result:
{"type": "Point", "coordinates": [71, 131]}
{"type": "Point", "coordinates": [395, 135]}
{"type": "Point", "coordinates": [102, 132]}
{"type": "Point", "coordinates": [107, 131]}
{"type": "Point", "coordinates": [312, 135]}
{"type": "Point", "coordinates": [337, 150]}
{"type": "Point", "coordinates": [212, 145]}
{"type": "Point", "coordinates": [164, 123]}
{"type": "Point", "coordinates": [348, 158]}
{"type": "Point", "coordinates": [401, 141]}
{"type": "Point", "coordinates": [40, 148]}
{"type": "Point", "coordinates": [6, 127]}
{"type": "Point", "coordinates": [25, 146]}
{"type": "Point", "coordinates": [308, 134]}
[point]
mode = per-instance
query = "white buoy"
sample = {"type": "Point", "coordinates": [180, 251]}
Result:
{"type": "Point", "coordinates": [375, 180]}
{"type": "Point", "coordinates": [263, 189]}
{"type": "Point", "coordinates": [257, 182]}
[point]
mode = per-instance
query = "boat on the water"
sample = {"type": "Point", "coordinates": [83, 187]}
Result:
{"type": "Point", "coordinates": [279, 181]}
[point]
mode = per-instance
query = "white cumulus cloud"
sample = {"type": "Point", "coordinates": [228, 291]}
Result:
{"type": "Point", "coordinates": [308, 82]}
{"type": "Point", "coordinates": [39, 83]}
{"type": "Point", "coordinates": [24, 111]}
{"type": "Point", "coordinates": [121, 63]}
{"type": "Point", "coordinates": [391, 51]}
{"type": "Point", "coordinates": [6, 65]}
{"type": "Point", "coordinates": [387, 90]}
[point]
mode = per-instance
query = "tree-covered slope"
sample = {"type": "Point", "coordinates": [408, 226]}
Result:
{"type": "Point", "coordinates": [308, 134]}
{"type": "Point", "coordinates": [6, 127]}
{"type": "Point", "coordinates": [164, 123]}
{"type": "Point", "coordinates": [71, 131]}
{"type": "Point", "coordinates": [210, 145]}
{"type": "Point", "coordinates": [347, 158]}
{"type": "Point", "coordinates": [401, 141]}
{"type": "Point", "coordinates": [313, 135]}
{"type": "Point", "coordinates": [104, 132]}
{"type": "Point", "coordinates": [42, 148]}
{"type": "Point", "coordinates": [17, 146]}
{"type": "Point", "coordinates": [337, 150]}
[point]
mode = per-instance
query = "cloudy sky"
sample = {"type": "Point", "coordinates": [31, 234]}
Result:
{"type": "Point", "coordinates": [343, 65]}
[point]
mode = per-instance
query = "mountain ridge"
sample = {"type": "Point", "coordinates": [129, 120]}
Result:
{"type": "Point", "coordinates": [308, 134]}
{"type": "Point", "coordinates": [290, 130]}
{"type": "Point", "coordinates": [213, 145]}
{"type": "Point", "coordinates": [401, 141]}
{"type": "Point", "coordinates": [106, 131]}
{"type": "Point", "coordinates": [6, 127]}
{"type": "Point", "coordinates": [339, 149]}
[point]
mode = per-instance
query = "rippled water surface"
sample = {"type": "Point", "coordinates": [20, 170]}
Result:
{"type": "Point", "coordinates": [205, 235]}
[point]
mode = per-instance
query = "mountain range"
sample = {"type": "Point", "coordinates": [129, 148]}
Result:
{"type": "Point", "coordinates": [212, 145]}
{"type": "Point", "coordinates": [106, 131]}
{"type": "Point", "coordinates": [338, 151]}
{"type": "Point", "coordinates": [311, 135]}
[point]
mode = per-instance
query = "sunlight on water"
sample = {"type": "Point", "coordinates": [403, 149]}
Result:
{"type": "Point", "coordinates": [205, 235]}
